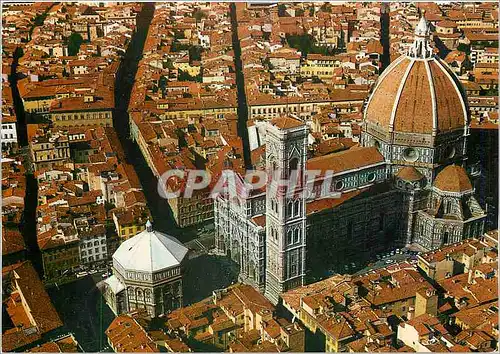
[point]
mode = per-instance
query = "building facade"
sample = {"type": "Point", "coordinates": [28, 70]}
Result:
{"type": "Point", "coordinates": [49, 150]}
{"type": "Point", "coordinates": [93, 247]}
{"type": "Point", "coordinates": [9, 133]}
{"type": "Point", "coordinates": [406, 184]}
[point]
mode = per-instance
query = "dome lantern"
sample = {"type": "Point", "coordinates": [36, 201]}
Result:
{"type": "Point", "coordinates": [421, 48]}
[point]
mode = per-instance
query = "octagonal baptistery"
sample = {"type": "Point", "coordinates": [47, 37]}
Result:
{"type": "Point", "coordinates": [417, 114]}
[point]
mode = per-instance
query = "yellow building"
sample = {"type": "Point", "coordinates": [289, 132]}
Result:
{"type": "Point", "coordinates": [82, 111]}
{"type": "Point", "coordinates": [129, 223]}
{"type": "Point", "coordinates": [320, 66]}
{"type": "Point", "coordinates": [187, 68]}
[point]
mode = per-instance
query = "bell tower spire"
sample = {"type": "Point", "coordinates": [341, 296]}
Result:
{"type": "Point", "coordinates": [421, 48]}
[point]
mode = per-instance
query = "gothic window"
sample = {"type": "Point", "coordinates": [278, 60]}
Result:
{"type": "Point", "coordinates": [445, 237]}
{"type": "Point", "coordinates": [289, 237]}
{"type": "Point", "coordinates": [296, 208]}
{"type": "Point", "coordinates": [296, 236]}
{"type": "Point", "coordinates": [292, 166]}
{"type": "Point", "coordinates": [147, 295]}
{"type": "Point", "coordinates": [289, 209]}
{"type": "Point", "coordinates": [447, 209]}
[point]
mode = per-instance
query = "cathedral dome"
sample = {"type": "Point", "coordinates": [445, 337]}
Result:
{"type": "Point", "coordinates": [453, 179]}
{"type": "Point", "coordinates": [150, 251]}
{"type": "Point", "coordinates": [417, 93]}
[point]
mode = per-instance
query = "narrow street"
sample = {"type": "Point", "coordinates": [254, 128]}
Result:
{"type": "Point", "coordinates": [240, 83]}
{"type": "Point", "coordinates": [28, 223]}
{"type": "Point", "coordinates": [162, 216]}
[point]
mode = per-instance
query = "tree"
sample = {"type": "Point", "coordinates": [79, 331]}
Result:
{"type": "Point", "coordinates": [281, 10]}
{"type": "Point", "coordinates": [195, 53]}
{"type": "Point", "coordinates": [74, 43]}
{"type": "Point", "coordinates": [198, 15]}
{"type": "Point", "coordinates": [464, 48]}
{"type": "Point", "coordinates": [305, 44]}
{"type": "Point", "coordinates": [162, 84]}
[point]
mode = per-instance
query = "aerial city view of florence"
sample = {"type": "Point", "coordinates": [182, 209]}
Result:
{"type": "Point", "coordinates": [260, 176]}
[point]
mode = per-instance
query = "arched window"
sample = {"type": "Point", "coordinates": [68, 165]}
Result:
{"type": "Point", "coordinates": [289, 209]}
{"type": "Point", "coordinates": [289, 237]}
{"type": "Point", "coordinates": [292, 166]}
{"type": "Point", "coordinates": [296, 208]}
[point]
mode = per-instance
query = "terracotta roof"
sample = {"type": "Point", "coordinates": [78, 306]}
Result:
{"type": "Point", "coordinates": [126, 335]}
{"type": "Point", "coordinates": [28, 306]}
{"type": "Point", "coordinates": [346, 160]}
{"type": "Point", "coordinates": [453, 178]}
{"type": "Point", "coordinates": [407, 101]}
{"type": "Point", "coordinates": [409, 173]}
{"type": "Point", "coordinates": [12, 241]}
{"type": "Point", "coordinates": [286, 122]}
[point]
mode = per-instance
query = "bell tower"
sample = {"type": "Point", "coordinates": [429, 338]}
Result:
{"type": "Point", "coordinates": [286, 155]}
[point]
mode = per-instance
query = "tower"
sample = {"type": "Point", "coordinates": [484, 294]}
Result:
{"type": "Point", "coordinates": [286, 155]}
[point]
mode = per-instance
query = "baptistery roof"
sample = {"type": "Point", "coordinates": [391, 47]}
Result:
{"type": "Point", "coordinates": [417, 93]}
{"type": "Point", "coordinates": [150, 251]}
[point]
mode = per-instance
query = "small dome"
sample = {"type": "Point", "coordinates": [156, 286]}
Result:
{"type": "Point", "coordinates": [150, 251]}
{"type": "Point", "coordinates": [410, 174]}
{"type": "Point", "coordinates": [454, 179]}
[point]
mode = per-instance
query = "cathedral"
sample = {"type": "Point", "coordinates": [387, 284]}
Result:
{"type": "Point", "coordinates": [405, 184]}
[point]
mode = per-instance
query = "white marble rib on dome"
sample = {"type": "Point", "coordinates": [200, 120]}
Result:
{"type": "Point", "coordinates": [150, 251]}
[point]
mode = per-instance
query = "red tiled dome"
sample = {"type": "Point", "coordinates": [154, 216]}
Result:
{"type": "Point", "coordinates": [417, 96]}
